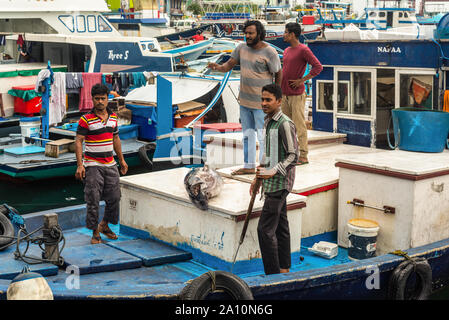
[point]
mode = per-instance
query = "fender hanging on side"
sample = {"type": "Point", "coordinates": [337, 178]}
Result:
{"type": "Point", "coordinates": [211, 281]}
{"type": "Point", "coordinates": [400, 276]}
{"type": "Point", "coordinates": [6, 228]}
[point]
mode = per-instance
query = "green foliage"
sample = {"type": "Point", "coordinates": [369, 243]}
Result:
{"type": "Point", "coordinates": [196, 8]}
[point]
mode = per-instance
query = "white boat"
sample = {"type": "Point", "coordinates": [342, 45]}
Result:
{"type": "Point", "coordinates": [83, 39]}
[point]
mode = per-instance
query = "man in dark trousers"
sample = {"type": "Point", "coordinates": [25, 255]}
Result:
{"type": "Point", "coordinates": [99, 131]}
{"type": "Point", "coordinates": [278, 174]}
{"type": "Point", "coordinates": [296, 58]}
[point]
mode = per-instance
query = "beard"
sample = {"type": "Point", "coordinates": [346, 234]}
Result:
{"type": "Point", "coordinates": [254, 42]}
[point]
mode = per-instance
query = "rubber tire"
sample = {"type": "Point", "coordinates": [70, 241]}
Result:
{"type": "Point", "coordinates": [401, 274]}
{"type": "Point", "coordinates": [8, 229]}
{"type": "Point", "coordinates": [201, 286]}
{"type": "Point", "coordinates": [143, 154]}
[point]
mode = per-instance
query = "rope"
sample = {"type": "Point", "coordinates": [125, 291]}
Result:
{"type": "Point", "coordinates": [402, 254]}
{"type": "Point", "coordinates": [213, 279]}
{"type": "Point", "coordinates": [406, 256]}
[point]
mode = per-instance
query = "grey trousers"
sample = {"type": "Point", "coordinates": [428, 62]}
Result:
{"type": "Point", "coordinates": [102, 183]}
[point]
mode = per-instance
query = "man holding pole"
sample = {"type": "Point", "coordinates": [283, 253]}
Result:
{"type": "Point", "coordinates": [278, 174]}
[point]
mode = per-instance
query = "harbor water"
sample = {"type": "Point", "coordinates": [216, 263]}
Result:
{"type": "Point", "coordinates": [28, 197]}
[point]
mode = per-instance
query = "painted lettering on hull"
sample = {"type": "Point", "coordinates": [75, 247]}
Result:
{"type": "Point", "coordinates": [389, 49]}
{"type": "Point", "coordinates": [120, 56]}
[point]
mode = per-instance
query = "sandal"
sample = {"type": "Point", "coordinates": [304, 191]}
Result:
{"type": "Point", "coordinates": [95, 240]}
{"type": "Point", "coordinates": [243, 171]}
{"type": "Point", "coordinates": [301, 162]}
{"type": "Point", "coordinates": [107, 232]}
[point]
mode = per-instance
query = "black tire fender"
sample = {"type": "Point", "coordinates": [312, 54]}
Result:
{"type": "Point", "coordinates": [211, 281]}
{"type": "Point", "coordinates": [144, 157]}
{"type": "Point", "coordinates": [398, 280]}
{"type": "Point", "coordinates": [6, 228]}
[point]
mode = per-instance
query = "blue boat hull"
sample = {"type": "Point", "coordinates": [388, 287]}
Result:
{"type": "Point", "coordinates": [162, 276]}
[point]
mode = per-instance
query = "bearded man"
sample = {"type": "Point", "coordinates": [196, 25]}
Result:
{"type": "Point", "coordinates": [259, 65]}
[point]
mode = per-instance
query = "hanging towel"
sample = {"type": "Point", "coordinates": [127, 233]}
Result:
{"type": "Point", "coordinates": [446, 101]}
{"type": "Point", "coordinates": [74, 82]}
{"type": "Point", "coordinates": [57, 106]}
{"type": "Point", "coordinates": [139, 79]}
{"type": "Point", "coordinates": [89, 80]}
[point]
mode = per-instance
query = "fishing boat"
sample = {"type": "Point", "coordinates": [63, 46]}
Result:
{"type": "Point", "coordinates": [32, 155]}
{"type": "Point", "coordinates": [85, 40]}
{"type": "Point", "coordinates": [156, 136]}
{"type": "Point", "coordinates": [378, 23]}
{"type": "Point", "coordinates": [166, 245]}
{"type": "Point", "coordinates": [355, 95]}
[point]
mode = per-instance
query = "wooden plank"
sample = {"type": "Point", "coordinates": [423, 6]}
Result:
{"type": "Point", "coordinates": [55, 148]}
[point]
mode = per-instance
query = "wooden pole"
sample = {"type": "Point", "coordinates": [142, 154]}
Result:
{"type": "Point", "coordinates": [51, 249]}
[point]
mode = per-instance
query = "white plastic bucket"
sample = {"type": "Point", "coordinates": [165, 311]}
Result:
{"type": "Point", "coordinates": [362, 235]}
{"type": "Point", "coordinates": [30, 127]}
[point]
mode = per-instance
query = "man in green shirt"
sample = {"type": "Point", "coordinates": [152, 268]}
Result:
{"type": "Point", "coordinates": [278, 174]}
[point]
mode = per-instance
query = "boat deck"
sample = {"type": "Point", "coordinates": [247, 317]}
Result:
{"type": "Point", "coordinates": [128, 267]}
{"type": "Point", "coordinates": [319, 172]}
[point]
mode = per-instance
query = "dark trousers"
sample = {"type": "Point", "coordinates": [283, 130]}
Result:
{"type": "Point", "coordinates": [102, 183]}
{"type": "Point", "coordinates": [273, 233]}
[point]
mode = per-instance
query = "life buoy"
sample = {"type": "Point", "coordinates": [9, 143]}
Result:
{"type": "Point", "coordinates": [145, 157]}
{"type": "Point", "coordinates": [212, 281]}
{"type": "Point", "coordinates": [6, 228]}
{"type": "Point", "coordinates": [400, 276]}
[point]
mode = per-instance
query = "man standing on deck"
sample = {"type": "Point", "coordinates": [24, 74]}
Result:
{"type": "Point", "coordinates": [278, 173]}
{"type": "Point", "coordinates": [258, 63]}
{"type": "Point", "coordinates": [296, 58]}
{"type": "Point", "coordinates": [98, 129]}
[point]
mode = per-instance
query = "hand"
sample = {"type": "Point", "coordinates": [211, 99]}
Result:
{"type": "Point", "coordinates": [263, 173]}
{"type": "Point", "coordinates": [80, 173]}
{"type": "Point", "coordinates": [212, 65]}
{"type": "Point", "coordinates": [295, 83]}
{"type": "Point", "coordinates": [123, 167]}
{"type": "Point", "coordinates": [253, 188]}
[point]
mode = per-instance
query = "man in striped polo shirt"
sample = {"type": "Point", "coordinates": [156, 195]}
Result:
{"type": "Point", "coordinates": [259, 62]}
{"type": "Point", "coordinates": [99, 131]}
{"type": "Point", "coordinates": [278, 173]}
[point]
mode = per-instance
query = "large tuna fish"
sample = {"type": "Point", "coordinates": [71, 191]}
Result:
{"type": "Point", "coordinates": [202, 184]}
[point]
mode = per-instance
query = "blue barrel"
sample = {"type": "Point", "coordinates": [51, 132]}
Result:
{"type": "Point", "coordinates": [421, 130]}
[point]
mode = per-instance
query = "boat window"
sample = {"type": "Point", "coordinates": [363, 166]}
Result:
{"type": "Point", "coordinates": [354, 92]}
{"type": "Point", "coordinates": [400, 14]}
{"type": "Point", "coordinates": [103, 26]}
{"type": "Point", "coordinates": [372, 14]}
{"type": "Point", "coordinates": [405, 15]}
{"type": "Point", "coordinates": [68, 22]}
{"type": "Point", "coordinates": [416, 90]}
{"type": "Point", "coordinates": [144, 46]}
{"type": "Point", "coordinates": [81, 23]}
{"type": "Point", "coordinates": [385, 102]}
{"type": "Point", "coordinates": [361, 93]}
{"type": "Point", "coordinates": [382, 14]}
{"type": "Point", "coordinates": [325, 92]}
{"type": "Point", "coordinates": [91, 23]}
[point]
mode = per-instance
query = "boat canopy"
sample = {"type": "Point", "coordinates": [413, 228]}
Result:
{"type": "Point", "coordinates": [183, 90]}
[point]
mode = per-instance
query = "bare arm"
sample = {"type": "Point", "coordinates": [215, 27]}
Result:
{"type": "Point", "coordinates": [278, 77]}
{"type": "Point", "coordinates": [225, 67]}
{"type": "Point", "coordinates": [80, 173]}
{"type": "Point", "coordinates": [118, 151]}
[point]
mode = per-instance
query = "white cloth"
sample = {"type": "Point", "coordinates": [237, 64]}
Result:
{"type": "Point", "coordinates": [57, 108]}
{"type": "Point", "coordinates": [43, 74]}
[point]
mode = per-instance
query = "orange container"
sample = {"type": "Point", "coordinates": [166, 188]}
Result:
{"type": "Point", "coordinates": [183, 121]}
